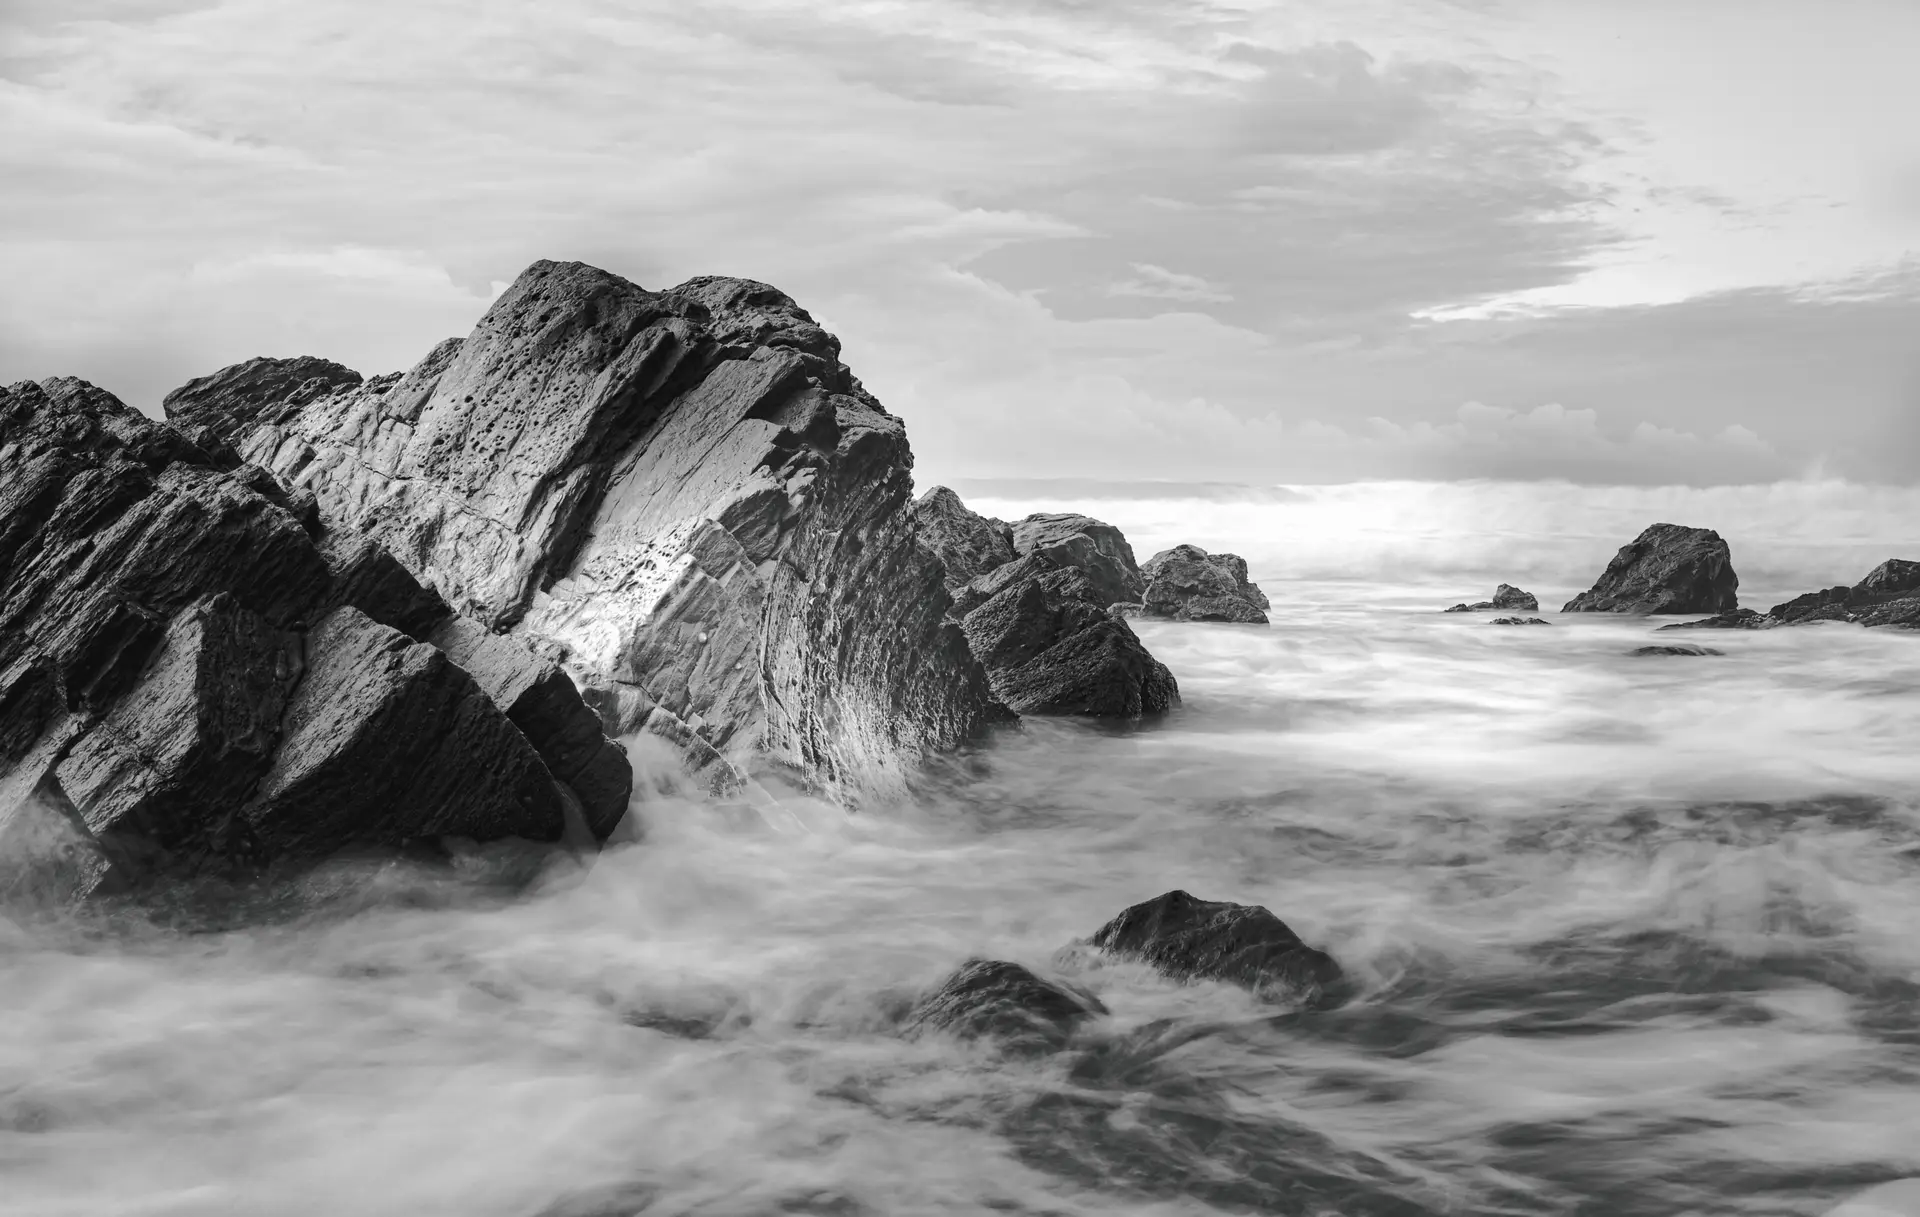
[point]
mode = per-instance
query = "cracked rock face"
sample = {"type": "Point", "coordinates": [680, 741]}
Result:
{"type": "Point", "coordinates": [1666, 569]}
{"type": "Point", "coordinates": [1042, 622]}
{"type": "Point", "coordinates": [685, 494]}
{"type": "Point", "coordinates": [190, 677]}
{"type": "Point", "coordinates": [1186, 583]}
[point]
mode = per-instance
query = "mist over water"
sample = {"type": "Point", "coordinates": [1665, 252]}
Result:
{"type": "Point", "coordinates": [1630, 935]}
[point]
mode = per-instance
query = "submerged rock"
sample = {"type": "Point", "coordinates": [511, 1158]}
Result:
{"type": "Point", "coordinates": [1186, 583]}
{"type": "Point", "coordinates": [1666, 569]}
{"type": "Point", "coordinates": [1676, 649]}
{"type": "Point", "coordinates": [685, 493]}
{"type": "Point", "coordinates": [1186, 938]}
{"type": "Point", "coordinates": [1506, 596]}
{"type": "Point", "coordinates": [1007, 1002]}
{"type": "Point", "coordinates": [1517, 620]}
{"type": "Point", "coordinates": [1041, 622]}
{"type": "Point", "coordinates": [191, 678]}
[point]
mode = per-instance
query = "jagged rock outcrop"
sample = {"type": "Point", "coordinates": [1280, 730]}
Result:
{"type": "Point", "coordinates": [685, 494]}
{"type": "Point", "coordinates": [1666, 569]}
{"type": "Point", "coordinates": [1041, 623]}
{"type": "Point", "coordinates": [1518, 621]}
{"type": "Point", "coordinates": [189, 676]}
{"type": "Point", "coordinates": [1507, 597]}
{"type": "Point", "coordinates": [1186, 938]}
{"type": "Point", "coordinates": [1007, 1002]}
{"type": "Point", "coordinates": [1186, 583]}
{"type": "Point", "coordinates": [1888, 597]}
{"type": "Point", "coordinates": [212, 408]}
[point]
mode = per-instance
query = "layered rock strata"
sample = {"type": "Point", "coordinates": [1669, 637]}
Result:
{"type": "Point", "coordinates": [1186, 583]}
{"type": "Point", "coordinates": [683, 493]}
{"type": "Point", "coordinates": [1042, 619]}
{"type": "Point", "coordinates": [1666, 569]}
{"type": "Point", "coordinates": [193, 673]}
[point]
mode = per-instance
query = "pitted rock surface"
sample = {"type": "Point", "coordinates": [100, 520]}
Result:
{"type": "Point", "coordinates": [1186, 583]}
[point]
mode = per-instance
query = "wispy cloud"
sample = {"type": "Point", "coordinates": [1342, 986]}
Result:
{"type": "Point", "coordinates": [1158, 283]}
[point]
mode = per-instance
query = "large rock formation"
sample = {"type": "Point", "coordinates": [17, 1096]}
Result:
{"type": "Point", "coordinates": [1187, 938]}
{"type": "Point", "coordinates": [190, 676]}
{"type": "Point", "coordinates": [1186, 583]}
{"type": "Point", "coordinates": [683, 493]}
{"type": "Point", "coordinates": [1667, 569]}
{"type": "Point", "coordinates": [1506, 596]}
{"type": "Point", "coordinates": [1042, 621]}
{"type": "Point", "coordinates": [1888, 596]}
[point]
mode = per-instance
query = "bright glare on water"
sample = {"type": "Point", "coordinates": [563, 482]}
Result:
{"type": "Point", "coordinates": [1632, 935]}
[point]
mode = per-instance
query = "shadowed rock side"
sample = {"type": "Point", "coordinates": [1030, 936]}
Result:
{"type": "Point", "coordinates": [1186, 583]}
{"type": "Point", "coordinates": [1041, 622]}
{"type": "Point", "coordinates": [189, 677]}
{"type": "Point", "coordinates": [1518, 620]}
{"type": "Point", "coordinates": [1006, 1002]}
{"type": "Point", "coordinates": [1667, 569]}
{"type": "Point", "coordinates": [686, 493]}
{"type": "Point", "coordinates": [213, 408]}
{"type": "Point", "coordinates": [1507, 597]}
{"type": "Point", "coordinates": [1889, 596]}
{"type": "Point", "coordinates": [1186, 938]}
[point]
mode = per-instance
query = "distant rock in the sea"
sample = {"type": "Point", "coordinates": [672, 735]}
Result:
{"type": "Point", "coordinates": [1676, 649]}
{"type": "Point", "coordinates": [1519, 621]}
{"type": "Point", "coordinates": [197, 677]}
{"type": "Point", "coordinates": [1006, 1002]}
{"type": "Point", "coordinates": [1186, 938]}
{"type": "Point", "coordinates": [1506, 596]}
{"type": "Point", "coordinates": [1666, 569]}
{"type": "Point", "coordinates": [1888, 597]}
{"type": "Point", "coordinates": [1186, 583]}
{"type": "Point", "coordinates": [684, 495]}
{"type": "Point", "coordinates": [1040, 621]}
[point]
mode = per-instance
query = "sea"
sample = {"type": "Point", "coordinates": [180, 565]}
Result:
{"type": "Point", "coordinates": [1629, 934]}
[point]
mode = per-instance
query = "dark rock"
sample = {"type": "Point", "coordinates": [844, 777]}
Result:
{"type": "Point", "coordinates": [1885, 598]}
{"type": "Point", "coordinates": [1680, 649]}
{"type": "Point", "coordinates": [1506, 596]}
{"type": "Point", "coordinates": [1186, 583]}
{"type": "Point", "coordinates": [163, 673]}
{"type": "Point", "coordinates": [969, 544]}
{"type": "Point", "coordinates": [1667, 569]}
{"type": "Point", "coordinates": [687, 493]}
{"type": "Point", "coordinates": [1007, 1002]}
{"type": "Point", "coordinates": [1894, 577]}
{"type": "Point", "coordinates": [1040, 623]}
{"type": "Point", "coordinates": [1190, 939]}
{"type": "Point", "coordinates": [1519, 621]}
{"type": "Point", "coordinates": [1736, 619]}
{"type": "Point", "coordinates": [216, 408]}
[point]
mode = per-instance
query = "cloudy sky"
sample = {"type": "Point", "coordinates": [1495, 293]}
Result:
{"type": "Point", "coordinates": [1635, 241]}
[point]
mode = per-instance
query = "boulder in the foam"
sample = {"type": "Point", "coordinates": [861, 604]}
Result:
{"type": "Point", "coordinates": [1186, 583]}
{"type": "Point", "coordinates": [1505, 597]}
{"type": "Point", "coordinates": [1519, 621]}
{"type": "Point", "coordinates": [1186, 938]}
{"type": "Point", "coordinates": [1675, 649]}
{"type": "Point", "coordinates": [1889, 597]}
{"type": "Point", "coordinates": [992, 998]}
{"type": "Point", "coordinates": [1668, 568]}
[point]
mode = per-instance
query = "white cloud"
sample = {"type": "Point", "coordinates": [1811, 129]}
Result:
{"type": "Point", "coordinates": [1159, 283]}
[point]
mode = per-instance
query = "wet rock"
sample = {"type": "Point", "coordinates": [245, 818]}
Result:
{"type": "Point", "coordinates": [1676, 649]}
{"type": "Point", "coordinates": [172, 660]}
{"type": "Point", "coordinates": [1518, 620]}
{"type": "Point", "coordinates": [1186, 938]}
{"type": "Point", "coordinates": [1041, 623]}
{"type": "Point", "coordinates": [1006, 1002]}
{"type": "Point", "coordinates": [1888, 597]}
{"type": "Point", "coordinates": [1666, 569]}
{"type": "Point", "coordinates": [1506, 596]}
{"type": "Point", "coordinates": [1186, 583]}
{"type": "Point", "coordinates": [686, 493]}
{"type": "Point", "coordinates": [1737, 619]}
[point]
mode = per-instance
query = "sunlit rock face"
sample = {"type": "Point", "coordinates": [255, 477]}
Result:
{"type": "Point", "coordinates": [1666, 569]}
{"type": "Point", "coordinates": [195, 675]}
{"type": "Point", "coordinates": [687, 493]}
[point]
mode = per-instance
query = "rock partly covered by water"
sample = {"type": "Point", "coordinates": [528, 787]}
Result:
{"type": "Point", "coordinates": [194, 675]}
{"type": "Point", "coordinates": [1676, 649]}
{"type": "Point", "coordinates": [1518, 620]}
{"type": "Point", "coordinates": [1667, 569]}
{"type": "Point", "coordinates": [1191, 939]}
{"type": "Point", "coordinates": [1040, 621]}
{"type": "Point", "coordinates": [1888, 596]}
{"type": "Point", "coordinates": [1506, 596]}
{"type": "Point", "coordinates": [1186, 583]}
{"type": "Point", "coordinates": [1008, 1002]}
{"type": "Point", "coordinates": [683, 493]}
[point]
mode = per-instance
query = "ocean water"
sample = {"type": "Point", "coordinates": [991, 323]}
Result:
{"type": "Point", "coordinates": [1630, 935]}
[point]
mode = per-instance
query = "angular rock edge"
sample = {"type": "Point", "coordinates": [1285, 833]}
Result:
{"type": "Point", "coordinates": [1668, 568]}
{"type": "Point", "coordinates": [1889, 597]}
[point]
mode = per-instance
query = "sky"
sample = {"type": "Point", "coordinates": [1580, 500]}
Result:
{"type": "Point", "coordinates": [1638, 242]}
